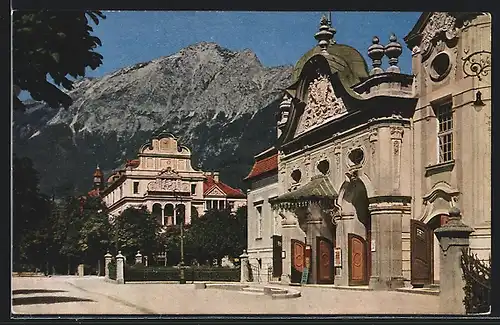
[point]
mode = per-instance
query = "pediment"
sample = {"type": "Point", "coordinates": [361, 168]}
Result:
{"type": "Point", "coordinates": [216, 191]}
{"type": "Point", "coordinates": [322, 105]}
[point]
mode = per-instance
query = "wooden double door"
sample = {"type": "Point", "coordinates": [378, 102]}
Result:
{"type": "Point", "coordinates": [324, 260]}
{"type": "Point", "coordinates": [298, 260]}
{"type": "Point", "coordinates": [359, 260]}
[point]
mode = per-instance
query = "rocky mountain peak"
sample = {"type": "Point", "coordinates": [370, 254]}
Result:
{"type": "Point", "coordinates": [205, 94]}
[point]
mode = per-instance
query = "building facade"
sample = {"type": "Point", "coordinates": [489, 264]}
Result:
{"type": "Point", "coordinates": [163, 180]}
{"type": "Point", "coordinates": [369, 161]}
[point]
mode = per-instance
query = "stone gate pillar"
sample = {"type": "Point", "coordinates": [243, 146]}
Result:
{"type": "Point", "coordinates": [453, 237]}
{"type": "Point", "coordinates": [107, 260]}
{"type": "Point", "coordinates": [138, 258]}
{"type": "Point", "coordinates": [244, 267]}
{"type": "Point", "coordinates": [313, 226]}
{"type": "Point", "coordinates": [385, 246]}
{"type": "Point", "coordinates": [120, 276]}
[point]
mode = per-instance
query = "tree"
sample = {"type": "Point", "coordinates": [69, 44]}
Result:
{"type": "Point", "coordinates": [30, 210]}
{"type": "Point", "coordinates": [55, 44]}
{"type": "Point", "coordinates": [136, 230]}
{"type": "Point", "coordinates": [218, 233]}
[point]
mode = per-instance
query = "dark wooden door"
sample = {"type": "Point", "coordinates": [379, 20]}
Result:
{"type": "Point", "coordinates": [358, 274]}
{"type": "Point", "coordinates": [298, 260]}
{"type": "Point", "coordinates": [277, 258]}
{"type": "Point", "coordinates": [421, 253]}
{"type": "Point", "coordinates": [324, 260]}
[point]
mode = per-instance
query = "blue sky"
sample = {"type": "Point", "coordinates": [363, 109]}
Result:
{"type": "Point", "coordinates": [278, 38]}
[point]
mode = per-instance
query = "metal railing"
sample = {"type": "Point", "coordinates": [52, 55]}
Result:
{"type": "Point", "coordinates": [477, 276]}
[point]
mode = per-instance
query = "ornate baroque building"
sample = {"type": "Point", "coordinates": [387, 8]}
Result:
{"type": "Point", "coordinates": [368, 162]}
{"type": "Point", "coordinates": [163, 180]}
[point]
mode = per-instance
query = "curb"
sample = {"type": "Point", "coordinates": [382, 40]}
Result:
{"type": "Point", "coordinates": [418, 292]}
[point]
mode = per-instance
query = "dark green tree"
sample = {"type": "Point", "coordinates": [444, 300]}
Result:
{"type": "Point", "coordinates": [136, 230]}
{"type": "Point", "coordinates": [218, 233]}
{"type": "Point", "coordinates": [54, 44]}
{"type": "Point", "coordinates": [30, 211]}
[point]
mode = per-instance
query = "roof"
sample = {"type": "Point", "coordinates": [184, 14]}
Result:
{"type": "Point", "coordinates": [262, 166]}
{"type": "Point", "coordinates": [317, 189]}
{"type": "Point", "coordinates": [210, 184]}
{"type": "Point", "coordinates": [132, 163]}
{"type": "Point", "coordinates": [94, 193]}
{"type": "Point", "coordinates": [339, 56]}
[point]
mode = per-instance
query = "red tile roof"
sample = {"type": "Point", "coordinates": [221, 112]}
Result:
{"type": "Point", "coordinates": [263, 166]}
{"type": "Point", "coordinates": [210, 183]}
{"type": "Point", "coordinates": [94, 193]}
{"type": "Point", "coordinates": [132, 163]}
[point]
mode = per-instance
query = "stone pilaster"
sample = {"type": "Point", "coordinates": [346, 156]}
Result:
{"type": "Point", "coordinates": [290, 230]}
{"type": "Point", "coordinates": [386, 243]}
{"type": "Point", "coordinates": [313, 226]}
{"type": "Point", "coordinates": [453, 237]}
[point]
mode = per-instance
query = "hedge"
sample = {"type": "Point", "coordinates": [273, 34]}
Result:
{"type": "Point", "coordinates": [162, 273]}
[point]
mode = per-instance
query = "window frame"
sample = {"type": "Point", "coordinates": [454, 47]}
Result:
{"type": "Point", "coordinates": [135, 187]}
{"type": "Point", "coordinates": [260, 221]}
{"type": "Point", "coordinates": [444, 128]}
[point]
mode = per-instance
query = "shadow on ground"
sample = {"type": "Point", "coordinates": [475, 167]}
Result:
{"type": "Point", "coordinates": [46, 300]}
{"type": "Point", "coordinates": [30, 291]}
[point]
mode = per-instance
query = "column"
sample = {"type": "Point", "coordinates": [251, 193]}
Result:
{"type": "Point", "coordinates": [313, 226]}
{"type": "Point", "coordinates": [120, 268]}
{"type": "Point", "coordinates": [386, 248]}
{"type": "Point", "coordinates": [107, 260]}
{"type": "Point", "coordinates": [163, 215]}
{"type": "Point", "coordinates": [188, 213]}
{"type": "Point", "coordinates": [453, 237]}
{"type": "Point", "coordinates": [289, 230]}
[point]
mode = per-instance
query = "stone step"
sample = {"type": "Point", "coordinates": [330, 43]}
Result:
{"type": "Point", "coordinates": [253, 289]}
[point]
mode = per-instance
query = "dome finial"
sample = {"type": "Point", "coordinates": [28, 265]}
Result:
{"type": "Point", "coordinates": [325, 33]}
{"type": "Point", "coordinates": [393, 50]}
{"type": "Point", "coordinates": [376, 53]}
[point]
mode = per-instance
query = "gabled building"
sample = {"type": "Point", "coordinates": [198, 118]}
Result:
{"type": "Point", "coordinates": [162, 179]}
{"type": "Point", "coordinates": [370, 160]}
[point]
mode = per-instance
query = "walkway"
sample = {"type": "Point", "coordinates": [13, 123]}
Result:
{"type": "Point", "coordinates": [91, 295]}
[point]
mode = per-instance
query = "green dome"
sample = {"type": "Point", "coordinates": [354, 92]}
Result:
{"type": "Point", "coordinates": [343, 58]}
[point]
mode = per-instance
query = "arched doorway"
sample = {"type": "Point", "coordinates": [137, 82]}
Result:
{"type": "Point", "coordinates": [357, 229]}
{"type": "Point", "coordinates": [157, 213]}
{"type": "Point", "coordinates": [169, 214]}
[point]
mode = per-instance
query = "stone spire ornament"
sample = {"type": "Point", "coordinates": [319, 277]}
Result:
{"type": "Point", "coordinates": [393, 50]}
{"type": "Point", "coordinates": [325, 33]}
{"type": "Point", "coordinates": [376, 53]}
{"type": "Point", "coordinates": [332, 30]}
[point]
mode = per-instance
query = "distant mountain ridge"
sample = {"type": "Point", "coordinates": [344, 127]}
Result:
{"type": "Point", "coordinates": [220, 103]}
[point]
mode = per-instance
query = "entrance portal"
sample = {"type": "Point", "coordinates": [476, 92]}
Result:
{"type": "Point", "coordinates": [421, 237]}
{"type": "Point", "coordinates": [324, 260]}
{"type": "Point", "coordinates": [298, 260]}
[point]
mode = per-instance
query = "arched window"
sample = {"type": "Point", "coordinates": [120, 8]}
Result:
{"type": "Point", "coordinates": [180, 213]}
{"type": "Point", "coordinates": [169, 214]}
{"type": "Point", "coordinates": [157, 212]}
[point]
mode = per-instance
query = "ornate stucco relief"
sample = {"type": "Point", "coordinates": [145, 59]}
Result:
{"type": "Point", "coordinates": [337, 152]}
{"type": "Point", "coordinates": [439, 22]}
{"type": "Point", "coordinates": [373, 138]}
{"type": "Point", "coordinates": [396, 138]}
{"type": "Point", "coordinates": [322, 105]}
{"type": "Point", "coordinates": [169, 185]}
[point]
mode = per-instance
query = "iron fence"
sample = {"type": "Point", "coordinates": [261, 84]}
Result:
{"type": "Point", "coordinates": [477, 275]}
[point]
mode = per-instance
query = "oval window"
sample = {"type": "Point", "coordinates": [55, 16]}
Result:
{"type": "Point", "coordinates": [296, 175]}
{"type": "Point", "coordinates": [356, 156]}
{"type": "Point", "coordinates": [323, 166]}
{"type": "Point", "coordinates": [440, 66]}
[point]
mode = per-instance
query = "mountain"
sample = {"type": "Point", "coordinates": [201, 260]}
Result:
{"type": "Point", "coordinates": [220, 103]}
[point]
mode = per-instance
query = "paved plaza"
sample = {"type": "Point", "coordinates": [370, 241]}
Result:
{"type": "Point", "coordinates": [92, 295]}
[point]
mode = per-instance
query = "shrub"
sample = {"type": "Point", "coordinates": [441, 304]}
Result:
{"type": "Point", "coordinates": [477, 275]}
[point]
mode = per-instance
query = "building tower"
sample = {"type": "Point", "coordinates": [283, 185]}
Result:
{"type": "Point", "coordinates": [98, 179]}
